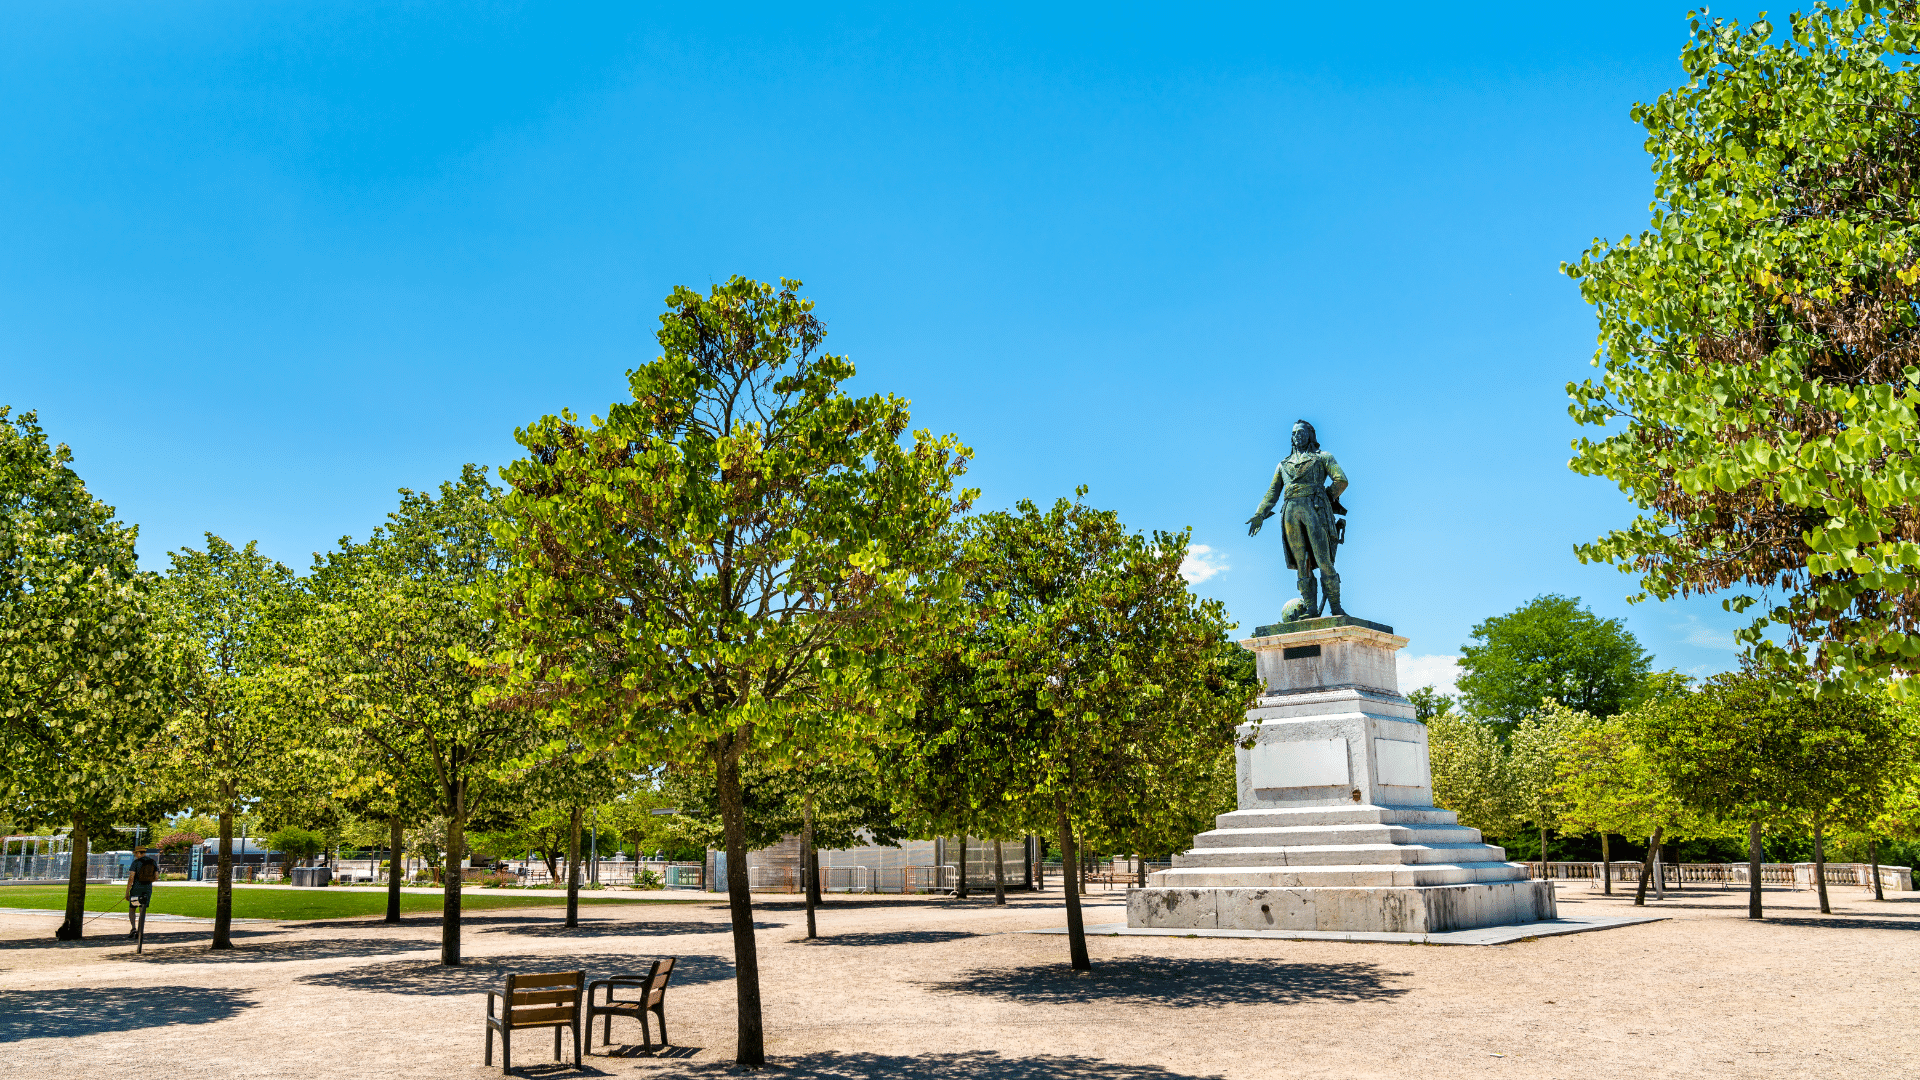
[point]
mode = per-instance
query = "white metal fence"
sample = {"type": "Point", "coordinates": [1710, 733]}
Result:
{"type": "Point", "coordinates": [1727, 875]}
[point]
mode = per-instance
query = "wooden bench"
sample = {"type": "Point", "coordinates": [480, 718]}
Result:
{"type": "Point", "coordinates": [652, 999]}
{"type": "Point", "coordinates": [532, 1001]}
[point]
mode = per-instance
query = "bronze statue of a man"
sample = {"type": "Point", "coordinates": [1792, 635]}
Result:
{"type": "Point", "coordinates": [1307, 485]}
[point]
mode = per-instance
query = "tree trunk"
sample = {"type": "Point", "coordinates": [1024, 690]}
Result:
{"type": "Point", "coordinates": [750, 1044]}
{"type": "Point", "coordinates": [1076, 929]}
{"type": "Point", "coordinates": [396, 839]}
{"type": "Point", "coordinates": [807, 870]}
{"type": "Point", "coordinates": [1606, 865]}
{"type": "Point", "coordinates": [960, 890]}
{"type": "Point", "coordinates": [1140, 870]}
{"type": "Point", "coordinates": [573, 870]}
{"type": "Point", "coordinates": [1039, 848]}
{"type": "Point", "coordinates": [450, 889]}
{"type": "Point", "coordinates": [999, 876]}
{"type": "Point", "coordinates": [1543, 854]}
{"type": "Point", "coordinates": [1646, 868]}
{"type": "Point", "coordinates": [1873, 864]}
{"type": "Point", "coordinates": [75, 923]}
{"type": "Point", "coordinates": [813, 872]}
{"type": "Point", "coordinates": [1080, 867]}
{"type": "Point", "coordinates": [223, 884]}
{"type": "Point", "coordinates": [1820, 861]}
{"type": "Point", "coordinates": [1753, 871]}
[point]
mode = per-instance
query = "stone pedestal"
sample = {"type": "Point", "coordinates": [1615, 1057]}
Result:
{"type": "Point", "coordinates": [1336, 828]}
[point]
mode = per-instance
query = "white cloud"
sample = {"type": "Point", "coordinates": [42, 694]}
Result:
{"type": "Point", "coordinates": [1435, 671]}
{"type": "Point", "coordinates": [1201, 563]}
{"type": "Point", "coordinates": [1706, 637]}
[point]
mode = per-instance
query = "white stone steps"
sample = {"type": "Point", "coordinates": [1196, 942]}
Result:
{"type": "Point", "coordinates": [1341, 854]}
{"type": "Point", "coordinates": [1337, 876]}
{"type": "Point", "coordinates": [1295, 835]}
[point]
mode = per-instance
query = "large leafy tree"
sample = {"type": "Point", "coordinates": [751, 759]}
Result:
{"type": "Point", "coordinates": [1550, 649]}
{"type": "Point", "coordinates": [734, 564]}
{"type": "Point", "coordinates": [1752, 747]}
{"type": "Point", "coordinates": [1112, 684]}
{"type": "Point", "coordinates": [1761, 385]}
{"type": "Point", "coordinates": [379, 669]}
{"type": "Point", "coordinates": [229, 740]}
{"type": "Point", "coordinates": [80, 688]}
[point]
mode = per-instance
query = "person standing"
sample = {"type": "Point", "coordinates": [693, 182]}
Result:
{"type": "Point", "coordinates": [141, 874]}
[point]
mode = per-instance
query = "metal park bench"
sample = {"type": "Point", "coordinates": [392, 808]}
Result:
{"type": "Point", "coordinates": [652, 999]}
{"type": "Point", "coordinates": [534, 1001]}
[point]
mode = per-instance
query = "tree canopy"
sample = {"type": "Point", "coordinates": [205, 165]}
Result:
{"type": "Point", "coordinates": [737, 562]}
{"type": "Point", "coordinates": [1760, 392]}
{"type": "Point", "coordinates": [80, 688]}
{"type": "Point", "coordinates": [1550, 649]}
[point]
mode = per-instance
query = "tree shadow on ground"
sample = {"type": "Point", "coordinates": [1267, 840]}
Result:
{"type": "Point", "coordinates": [603, 928]}
{"type": "Point", "coordinates": [897, 937]}
{"type": "Point", "coordinates": [276, 951]}
{"type": "Point", "coordinates": [119, 939]}
{"type": "Point", "coordinates": [85, 1010]}
{"type": "Point", "coordinates": [1842, 922]}
{"type": "Point", "coordinates": [1179, 983]}
{"type": "Point", "coordinates": [842, 902]}
{"type": "Point", "coordinates": [557, 1070]}
{"type": "Point", "coordinates": [482, 973]}
{"type": "Point", "coordinates": [968, 1065]}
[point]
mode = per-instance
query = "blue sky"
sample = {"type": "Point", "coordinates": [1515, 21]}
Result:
{"type": "Point", "coordinates": [267, 263]}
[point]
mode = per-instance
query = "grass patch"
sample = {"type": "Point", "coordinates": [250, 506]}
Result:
{"type": "Point", "coordinates": [289, 903]}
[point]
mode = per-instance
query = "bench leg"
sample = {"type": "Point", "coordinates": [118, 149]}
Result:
{"type": "Point", "coordinates": [606, 1035]}
{"type": "Point", "coordinates": [489, 1057]}
{"type": "Point", "coordinates": [556, 1042]}
{"type": "Point", "coordinates": [661, 1012]}
{"type": "Point", "coordinates": [575, 1028]}
{"type": "Point", "coordinates": [506, 1051]}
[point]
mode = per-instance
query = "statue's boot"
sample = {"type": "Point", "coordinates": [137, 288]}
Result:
{"type": "Point", "coordinates": [1332, 585]}
{"type": "Point", "coordinates": [1311, 594]}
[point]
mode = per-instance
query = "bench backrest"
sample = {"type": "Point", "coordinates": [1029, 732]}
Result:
{"type": "Point", "coordinates": [657, 986]}
{"type": "Point", "coordinates": [546, 998]}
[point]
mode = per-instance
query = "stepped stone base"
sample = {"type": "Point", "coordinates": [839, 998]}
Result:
{"type": "Point", "coordinates": [1431, 909]}
{"type": "Point", "coordinates": [1336, 829]}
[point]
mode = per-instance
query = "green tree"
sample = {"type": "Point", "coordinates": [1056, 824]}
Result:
{"type": "Point", "coordinates": [1760, 390]}
{"type": "Point", "coordinates": [80, 688]}
{"type": "Point", "coordinates": [1610, 784]}
{"type": "Point", "coordinates": [229, 739]}
{"type": "Point", "coordinates": [379, 670]}
{"type": "Point", "coordinates": [1550, 649]}
{"type": "Point", "coordinates": [1535, 751]}
{"type": "Point", "coordinates": [1751, 747]}
{"type": "Point", "coordinates": [1112, 690]}
{"type": "Point", "coordinates": [1898, 816]}
{"type": "Point", "coordinates": [296, 843]}
{"type": "Point", "coordinates": [733, 564]}
{"type": "Point", "coordinates": [1472, 773]}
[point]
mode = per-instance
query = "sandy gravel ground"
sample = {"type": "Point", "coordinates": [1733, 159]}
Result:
{"type": "Point", "coordinates": [938, 989]}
